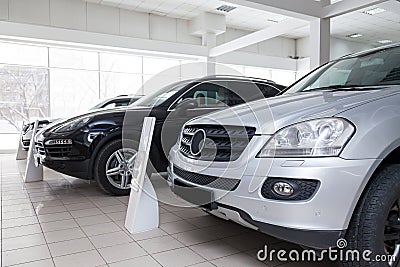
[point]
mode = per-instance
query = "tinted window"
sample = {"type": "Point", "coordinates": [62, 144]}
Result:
{"type": "Point", "coordinates": [212, 94]}
{"type": "Point", "coordinates": [116, 104]}
{"type": "Point", "coordinates": [267, 90]}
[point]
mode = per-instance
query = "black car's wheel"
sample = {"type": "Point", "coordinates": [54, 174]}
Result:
{"type": "Point", "coordinates": [114, 165]}
{"type": "Point", "coordinates": [375, 226]}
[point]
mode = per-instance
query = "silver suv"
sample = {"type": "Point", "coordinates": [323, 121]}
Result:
{"type": "Point", "coordinates": [316, 164]}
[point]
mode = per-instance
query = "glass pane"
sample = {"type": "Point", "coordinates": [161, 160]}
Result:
{"type": "Point", "coordinates": [120, 63]}
{"type": "Point", "coordinates": [17, 54]}
{"type": "Point", "coordinates": [73, 59]}
{"type": "Point", "coordinates": [154, 65]}
{"type": "Point", "coordinates": [24, 96]}
{"type": "Point", "coordinates": [153, 83]}
{"type": "Point", "coordinates": [114, 84]}
{"type": "Point", "coordinates": [225, 69]}
{"type": "Point", "coordinates": [72, 91]}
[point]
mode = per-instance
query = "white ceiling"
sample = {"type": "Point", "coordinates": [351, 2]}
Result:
{"type": "Point", "coordinates": [377, 27]}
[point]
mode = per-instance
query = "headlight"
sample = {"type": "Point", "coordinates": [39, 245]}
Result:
{"type": "Point", "coordinates": [72, 125]}
{"type": "Point", "coordinates": [315, 138]}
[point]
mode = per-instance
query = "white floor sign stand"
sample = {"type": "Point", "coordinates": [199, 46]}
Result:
{"type": "Point", "coordinates": [33, 171]}
{"type": "Point", "coordinates": [142, 213]}
{"type": "Point", "coordinates": [21, 153]}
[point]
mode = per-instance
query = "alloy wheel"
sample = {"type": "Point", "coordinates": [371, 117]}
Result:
{"type": "Point", "coordinates": [119, 167]}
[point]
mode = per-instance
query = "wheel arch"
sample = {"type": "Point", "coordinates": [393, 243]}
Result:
{"type": "Point", "coordinates": [105, 140]}
{"type": "Point", "coordinates": [390, 156]}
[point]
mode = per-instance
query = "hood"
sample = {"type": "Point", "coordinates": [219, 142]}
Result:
{"type": "Point", "coordinates": [269, 115]}
{"type": "Point", "coordinates": [98, 113]}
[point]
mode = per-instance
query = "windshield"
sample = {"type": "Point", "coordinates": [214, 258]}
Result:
{"type": "Point", "coordinates": [160, 96]}
{"type": "Point", "coordinates": [371, 70]}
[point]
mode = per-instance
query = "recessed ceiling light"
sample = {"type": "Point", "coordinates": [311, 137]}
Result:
{"type": "Point", "coordinates": [354, 35]}
{"type": "Point", "coordinates": [375, 11]}
{"type": "Point", "coordinates": [277, 19]}
{"type": "Point", "coordinates": [226, 8]}
{"type": "Point", "coordinates": [385, 41]}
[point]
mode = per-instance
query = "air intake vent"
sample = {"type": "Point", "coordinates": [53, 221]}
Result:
{"type": "Point", "coordinates": [226, 8]}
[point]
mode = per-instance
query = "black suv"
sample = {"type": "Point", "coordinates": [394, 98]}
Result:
{"type": "Point", "coordinates": [103, 144]}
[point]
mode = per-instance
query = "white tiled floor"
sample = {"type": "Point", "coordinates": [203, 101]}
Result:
{"type": "Point", "coordinates": [64, 221]}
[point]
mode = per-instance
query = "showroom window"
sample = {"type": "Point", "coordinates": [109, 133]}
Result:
{"type": "Point", "coordinates": [40, 81]}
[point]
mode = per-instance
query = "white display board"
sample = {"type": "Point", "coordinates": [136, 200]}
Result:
{"type": "Point", "coordinates": [33, 171]}
{"type": "Point", "coordinates": [21, 153]}
{"type": "Point", "coordinates": [142, 213]}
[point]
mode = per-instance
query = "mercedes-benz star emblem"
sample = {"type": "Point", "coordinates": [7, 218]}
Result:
{"type": "Point", "coordinates": [197, 142]}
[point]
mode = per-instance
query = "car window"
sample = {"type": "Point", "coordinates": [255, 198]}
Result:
{"type": "Point", "coordinates": [116, 104]}
{"type": "Point", "coordinates": [211, 94]}
{"type": "Point", "coordinates": [267, 90]}
{"type": "Point", "coordinates": [374, 69]}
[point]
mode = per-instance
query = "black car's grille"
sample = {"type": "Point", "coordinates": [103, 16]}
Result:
{"type": "Point", "coordinates": [56, 151]}
{"type": "Point", "coordinates": [305, 189]}
{"type": "Point", "coordinates": [207, 180]}
{"type": "Point", "coordinates": [222, 143]}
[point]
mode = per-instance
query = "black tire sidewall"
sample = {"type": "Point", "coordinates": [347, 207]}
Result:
{"type": "Point", "coordinates": [366, 230]}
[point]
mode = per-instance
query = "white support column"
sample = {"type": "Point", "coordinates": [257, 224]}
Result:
{"type": "Point", "coordinates": [209, 40]}
{"type": "Point", "coordinates": [320, 42]}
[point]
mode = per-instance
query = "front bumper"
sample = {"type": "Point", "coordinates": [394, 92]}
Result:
{"type": "Point", "coordinates": [325, 215]}
{"type": "Point", "coordinates": [70, 159]}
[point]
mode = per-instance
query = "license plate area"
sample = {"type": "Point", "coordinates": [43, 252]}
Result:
{"type": "Point", "coordinates": [195, 195]}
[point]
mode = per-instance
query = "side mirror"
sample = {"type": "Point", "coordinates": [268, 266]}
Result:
{"type": "Point", "coordinates": [186, 104]}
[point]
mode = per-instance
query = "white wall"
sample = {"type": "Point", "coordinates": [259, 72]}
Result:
{"type": "Point", "coordinates": [79, 15]}
{"type": "Point", "coordinates": [339, 47]}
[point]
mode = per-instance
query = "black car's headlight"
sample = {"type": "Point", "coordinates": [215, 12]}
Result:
{"type": "Point", "coordinates": [72, 125]}
{"type": "Point", "coordinates": [315, 138]}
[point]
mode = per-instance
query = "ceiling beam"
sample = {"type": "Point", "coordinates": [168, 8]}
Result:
{"type": "Point", "coordinates": [299, 9]}
{"type": "Point", "coordinates": [343, 7]}
{"type": "Point", "coordinates": [392, 6]}
{"type": "Point", "coordinates": [258, 36]}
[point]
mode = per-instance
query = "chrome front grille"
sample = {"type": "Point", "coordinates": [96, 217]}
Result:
{"type": "Point", "coordinates": [221, 143]}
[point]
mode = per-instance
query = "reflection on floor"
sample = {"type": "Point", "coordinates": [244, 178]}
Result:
{"type": "Point", "coordinates": [64, 221]}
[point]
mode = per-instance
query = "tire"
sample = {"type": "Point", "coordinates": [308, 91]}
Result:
{"type": "Point", "coordinates": [104, 159]}
{"type": "Point", "coordinates": [368, 226]}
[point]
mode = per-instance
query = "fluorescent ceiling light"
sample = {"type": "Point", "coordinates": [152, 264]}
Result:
{"type": "Point", "coordinates": [375, 11]}
{"type": "Point", "coordinates": [277, 19]}
{"type": "Point", "coordinates": [385, 41]}
{"type": "Point", "coordinates": [226, 8]}
{"type": "Point", "coordinates": [354, 35]}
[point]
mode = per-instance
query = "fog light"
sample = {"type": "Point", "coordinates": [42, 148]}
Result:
{"type": "Point", "coordinates": [283, 189]}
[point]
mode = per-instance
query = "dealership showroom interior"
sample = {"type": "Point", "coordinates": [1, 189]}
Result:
{"type": "Point", "coordinates": [200, 133]}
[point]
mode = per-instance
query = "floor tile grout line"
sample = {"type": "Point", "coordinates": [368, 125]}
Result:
{"type": "Point", "coordinates": [47, 245]}
{"type": "Point", "coordinates": [87, 237]}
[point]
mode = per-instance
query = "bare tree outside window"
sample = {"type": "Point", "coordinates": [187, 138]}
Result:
{"type": "Point", "coordinates": [24, 95]}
